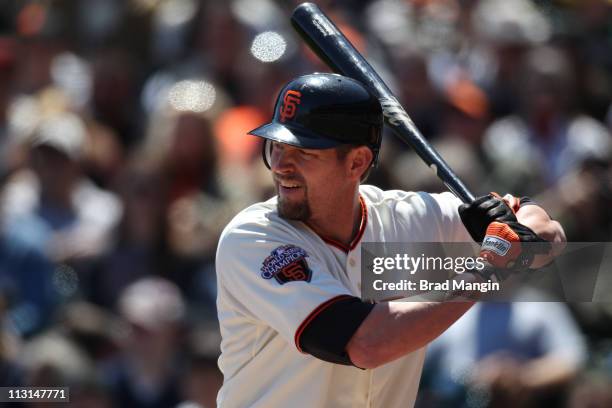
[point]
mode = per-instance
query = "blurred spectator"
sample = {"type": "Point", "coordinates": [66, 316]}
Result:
{"type": "Point", "coordinates": [466, 114]}
{"type": "Point", "coordinates": [220, 40]}
{"type": "Point", "coordinates": [95, 330]}
{"type": "Point", "coordinates": [10, 371]}
{"type": "Point", "coordinates": [26, 286]}
{"type": "Point", "coordinates": [114, 86]}
{"type": "Point", "coordinates": [547, 139]}
{"type": "Point", "coordinates": [105, 155]}
{"type": "Point", "coordinates": [502, 355]}
{"type": "Point", "coordinates": [52, 360]}
{"type": "Point", "coordinates": [418, 95]}
{"type": "Point", "coordinates": [183, 147]}
{"type": "Point", "coordinates": [411, 173]}
{"type": "Point", "coordinates": [28, 297]}
{"type": "Point", "coordinates": [581, 201]}
{"type": "Point", "coordinates": [191, 161]}
{"type": "Point", "coordinates": [139, 246]}
{"type": "Point", "coordinates": [507, 30]}
{"type": "Point", "coordinates": [593, 391]}
{"type": "Point", "coordinates": [147, 372]}
{"type": "Point", "coordinates": [52, 203]}
{"type": "Point", "coordinates": [8, 49]}
{"type": "Point", "coordinates": [590, 40]}
{"type": "Point", "coordinates": [239, 154]}
{"type": "Point", "coordinates": [181, 143]}
{"type": "Point", "coordinates": [202, 381]}
{"type": "Point", "coordinates": [89, 394]}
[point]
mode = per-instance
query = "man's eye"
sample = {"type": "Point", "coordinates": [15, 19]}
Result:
{"type": "Point", "coordinates": [306, 154]}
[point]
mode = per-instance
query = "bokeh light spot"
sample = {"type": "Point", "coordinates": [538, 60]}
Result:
{"type": "Point", "coordinates": [268, 46]}
{"type": "Point", "coordinates": [193, 96]}
{"type": "Point", "coordinates": [176, 12]}
{"type": "Point", "coordinates": [65, 280]}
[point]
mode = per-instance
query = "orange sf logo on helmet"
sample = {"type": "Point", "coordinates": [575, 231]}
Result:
{"type": "Point", "coordinates": [290, 102]}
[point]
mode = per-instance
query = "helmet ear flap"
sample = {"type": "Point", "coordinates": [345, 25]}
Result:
{"type": "Point", "coordinates": [375, 152]}
{"type": "Point", "coordinates": [375, 145]}
{"type": "Point", "coordinates": [266, 153]}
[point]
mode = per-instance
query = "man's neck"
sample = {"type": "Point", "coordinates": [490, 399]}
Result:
{"type": "Point", "coordinates": [60, 198]}
{"type": "Point", "coordinates": [340, 225]}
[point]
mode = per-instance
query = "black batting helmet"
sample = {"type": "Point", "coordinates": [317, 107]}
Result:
{"type": "Point", "coordinates": [320, 111]}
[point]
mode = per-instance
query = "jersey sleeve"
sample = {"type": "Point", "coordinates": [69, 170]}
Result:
{"type": "Point", "coordinates": [451, 225]}
{"type": "Point", "coordinates": [275, 280]}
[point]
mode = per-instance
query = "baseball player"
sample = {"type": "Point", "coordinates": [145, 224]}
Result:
{"type": "Point", "coordinates": [295, 332]}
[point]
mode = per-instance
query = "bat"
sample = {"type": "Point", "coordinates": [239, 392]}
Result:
{"type": "Point", "coordinates": [328, 42]}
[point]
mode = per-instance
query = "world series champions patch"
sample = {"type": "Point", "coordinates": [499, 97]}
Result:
{"type": "Point", "coordinates": [286, 263]}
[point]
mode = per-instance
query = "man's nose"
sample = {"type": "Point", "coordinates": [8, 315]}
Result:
{"type": "Point", "coordinates": [281, 159]}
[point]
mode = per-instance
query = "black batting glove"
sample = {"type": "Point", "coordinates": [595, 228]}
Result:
{"type": "Point", "coordinates": [477, 215]}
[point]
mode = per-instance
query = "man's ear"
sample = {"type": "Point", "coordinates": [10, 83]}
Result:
{"type": "Point", "coordinates": [359, 161]}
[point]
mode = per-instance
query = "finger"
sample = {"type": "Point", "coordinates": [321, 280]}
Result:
{"type": "Point", "coordinates": [501, 213]}
{"type": "Point", "coordinates": [491, 203]}
{"type": "Point", "coordinates": [481, 200]}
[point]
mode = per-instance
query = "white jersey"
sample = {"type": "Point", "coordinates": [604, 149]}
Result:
{"type": "Point", "coordinates": [275, 275]}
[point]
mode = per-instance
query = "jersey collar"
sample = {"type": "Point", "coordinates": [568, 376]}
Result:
{"type": "Point", "coordinates": [357, 239]}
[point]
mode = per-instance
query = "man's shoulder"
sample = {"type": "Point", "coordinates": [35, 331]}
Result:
{"type": "Point", "coordinates": [378, 197]}
{"type": "Point", "coordinates": [258, 220]}
{"type": "Point", "coordinates": [254, 217]}
{"type": "Point", "coordinates": [420, 216]}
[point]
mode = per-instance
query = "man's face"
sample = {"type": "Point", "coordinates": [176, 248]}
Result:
{"type": "Point", "coordinates": [306, 180]}
{"type": "Point", "coordinates": [54, 169]}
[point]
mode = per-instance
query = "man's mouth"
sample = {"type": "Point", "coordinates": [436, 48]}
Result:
{"type": "Point", "coordinates": [289, 187]}
{"type": "Point", "coordinates": [289, 184]}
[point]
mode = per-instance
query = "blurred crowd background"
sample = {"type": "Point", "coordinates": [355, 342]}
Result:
{"type": "Point", "coordinates": [123, 154]}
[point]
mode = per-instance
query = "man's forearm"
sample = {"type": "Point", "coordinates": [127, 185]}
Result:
{"type": "Point", "coordinates": [538, 220]}
{"type": "Point", "coordinates": [395, 329]}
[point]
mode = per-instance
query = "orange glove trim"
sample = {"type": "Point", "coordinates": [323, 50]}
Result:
{"type": "Point", "coordinates": [501, 245]}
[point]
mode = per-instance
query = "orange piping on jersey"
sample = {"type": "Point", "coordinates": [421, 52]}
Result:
{"type": "Point", "coordinates": [317, 311]}
{"type": "Point", "coordinates": [362, 227]}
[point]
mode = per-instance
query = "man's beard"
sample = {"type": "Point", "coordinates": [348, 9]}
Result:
{"type": "Point", "coordinates": [298, 211]}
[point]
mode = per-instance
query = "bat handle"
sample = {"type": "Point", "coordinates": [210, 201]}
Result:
{"type": "Point", "coordinates": [321, 34]}
{"type": "Point", "coordinates": [405, 130]}
{"type": "Point", "coordinates": [460, 190]}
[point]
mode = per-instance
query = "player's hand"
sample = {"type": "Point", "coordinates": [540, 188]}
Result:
{"type": "Point", "coordinates": [486, 209]}
{"type": "Point", "coordinates": [512, 245]}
